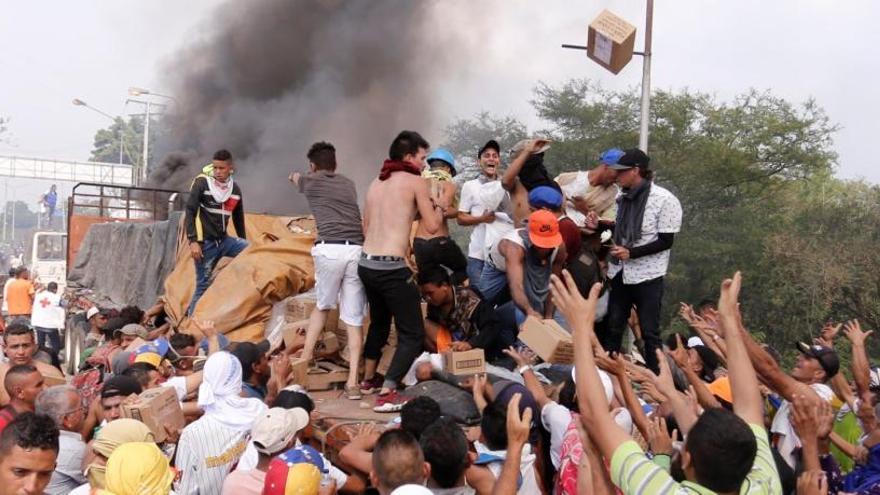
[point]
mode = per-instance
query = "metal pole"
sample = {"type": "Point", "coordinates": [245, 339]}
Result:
{"type": "Point", "coordinates": [6, 202]}
{"type": "Point", "coordinates": [646, 79]}
{"type": "Point", "coordinates": [146, 143]}
{"type": "Point", "coordinates": [13, 215]}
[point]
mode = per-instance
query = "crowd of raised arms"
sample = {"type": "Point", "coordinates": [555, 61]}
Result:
{"type": "Point", "coordinates": [710, 411]}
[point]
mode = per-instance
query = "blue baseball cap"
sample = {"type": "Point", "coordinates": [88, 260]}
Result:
{"type": "Point", "coordinates": [545, 197]}
{"type": "Point", "coordinates": [444, 156]}
{"type": "Point", "coordinates": [611, 156]}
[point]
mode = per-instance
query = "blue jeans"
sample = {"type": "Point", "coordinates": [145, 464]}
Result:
{"type": "Point", "coordinates": [212, 251]}
{"type": "Point", "coordinates": [475, 271]}
{"type": "Point", "coordinates": [493, 285]}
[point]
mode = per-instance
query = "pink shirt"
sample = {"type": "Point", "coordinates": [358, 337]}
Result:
{"type": "Point", "coordinates": [244, 482]}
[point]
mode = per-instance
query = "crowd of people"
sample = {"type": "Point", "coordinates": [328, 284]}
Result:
{"type": "Point", "coordinates": [710, 411]}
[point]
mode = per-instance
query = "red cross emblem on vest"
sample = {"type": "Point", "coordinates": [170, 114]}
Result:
{"type": "Point", "coordinates": [44, 302]}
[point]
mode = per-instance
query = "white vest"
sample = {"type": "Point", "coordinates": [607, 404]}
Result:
{"type": "Point", "coordinates": [47, 311]}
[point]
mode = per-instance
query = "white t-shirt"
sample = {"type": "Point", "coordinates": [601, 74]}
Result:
{"type": "Point", "coordinates": [470, 203]}
{"type": "Point", "coordinates": [47, 311]}
{"type": "Point", "coordinates": [662, 216]}
{"type": "Point", "coordinates": [781, 426]}
{"type": "Point", "coordinates": [555, 419]}
{"type": "Point", "coordinates": [5, 291]}
{"type": "Point", "coordinates": [178, 383]}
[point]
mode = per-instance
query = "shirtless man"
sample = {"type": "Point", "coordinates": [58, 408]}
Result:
{"type": "Point", "coordinates": [394, 200]}
{"type": "Point", "coordinates": [438, 248]}
{"type": "Point", "coordinates": [19, 348]}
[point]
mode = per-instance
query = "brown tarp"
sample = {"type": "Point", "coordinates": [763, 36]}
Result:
{"type": "Point", "coordinates": [277, 264]}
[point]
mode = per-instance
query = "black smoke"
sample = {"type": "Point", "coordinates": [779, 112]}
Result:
{"type": "Point", "coordinates": [267, 78]}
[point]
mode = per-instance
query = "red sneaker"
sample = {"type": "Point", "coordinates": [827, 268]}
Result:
{"type": "Point", "coordinates": [391, 402]}
{"type": "Point", "coordinates": [372, 385]}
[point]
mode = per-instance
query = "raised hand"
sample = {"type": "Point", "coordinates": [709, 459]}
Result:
{"type": "Point", "coordinates": [679, 355]}
{"type": "Point", "coordinates": [568, 299]}
{"type": "Point", "coordinates": [518, 426]}
{"type": "Point", "coordinates": [827, 334]}
{"type": "Point", "coordinates": [853, 331]}
{"type": "Point", "coordinates": [658, 436]}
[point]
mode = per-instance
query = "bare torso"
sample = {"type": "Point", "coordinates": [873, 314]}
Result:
{"type": "Point", "coordinates": [445, 190]}
{"type": "Point", "coordinates": [389, 211]}
{"type": "Point", "coordinates": [519, 199]}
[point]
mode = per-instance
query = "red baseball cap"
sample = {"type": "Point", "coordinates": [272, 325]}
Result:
{"type": "Point", "coordinates": [544, 229]}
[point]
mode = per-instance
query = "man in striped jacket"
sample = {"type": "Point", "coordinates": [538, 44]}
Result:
{"type": "Point", "coordinates": [213, 199]}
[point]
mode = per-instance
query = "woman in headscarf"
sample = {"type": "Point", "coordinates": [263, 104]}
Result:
{"type": "Point", "coordinates": [111, 437]}
{"type": "Point", "coordinates": [138, 468]}
{"type": "Point", "coordinates": [211, 446]}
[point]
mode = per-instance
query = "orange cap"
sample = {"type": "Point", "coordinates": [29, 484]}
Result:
{"type": "Point", "coordinates": [544, 229]}
{"type": "Point", "coordinates": [721, 388]}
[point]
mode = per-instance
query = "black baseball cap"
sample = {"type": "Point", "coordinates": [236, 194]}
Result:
{"type": "Point", "coordinates": [490, 144]}
{"type": "Point", "coordinates": [632, 157]}
{"type": "Point", "coordinates": [825, 355]}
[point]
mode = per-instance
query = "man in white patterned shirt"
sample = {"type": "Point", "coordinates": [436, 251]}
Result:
{"type": "Point", "coordinates": [648, 217]}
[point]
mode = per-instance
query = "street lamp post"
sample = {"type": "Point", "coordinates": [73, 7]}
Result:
{"type": "Point", "coordinates": [80, 103]}
{"type": "Point", "coordinates": [646, 79]}
{"type": "Point", "coordinates": [137, 91]}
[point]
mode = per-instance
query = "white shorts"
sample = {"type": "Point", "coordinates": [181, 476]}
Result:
{"type": "Point", "coordinates": [337, 281]}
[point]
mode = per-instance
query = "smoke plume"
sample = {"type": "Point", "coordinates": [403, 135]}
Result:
{"type": "Point", "coordinates": [269, 78]}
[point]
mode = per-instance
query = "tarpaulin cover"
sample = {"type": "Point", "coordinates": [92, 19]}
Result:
{"type": "Point", "coordinates": [277, 264]}
{"type": "Point", "coordinates": [127, 262]}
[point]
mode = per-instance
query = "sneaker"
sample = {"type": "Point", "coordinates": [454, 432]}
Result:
{"type": "Point", "coordinates": [353, 393]}
{"type": "Point", "coordinates": [390, 402]}
{"type": "Point", "coordinates": [372, 385]}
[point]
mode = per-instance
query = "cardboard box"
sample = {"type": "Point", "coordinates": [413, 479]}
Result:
{"type": "Point", "coordinates": [549, 340]}
{"type": "Point", "coordinates": [328, 344]}
{"type": "Point", "coordinates": [326, 375]}
{"type": "Point", "coordinates": [300, 308]}
{"type": "Point", "coordinates": [156, 408]}
{"type": "Point", "coordinates": [299, 369]}
{"type": "Point", "coordinates": [463, 363]}
{"type": "Point", "coordinates": [610, 41]}
{"type": "Point", "coordinates": [294, 333]}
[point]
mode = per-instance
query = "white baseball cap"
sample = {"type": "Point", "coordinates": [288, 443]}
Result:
{"type": "Point", "coordinates": [275, 429]}
{"type": "Point", "coordinates": [92, 312]}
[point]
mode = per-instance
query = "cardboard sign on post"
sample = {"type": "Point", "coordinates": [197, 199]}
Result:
{"type": "Point", "coordinates": [610, 41]}
{"type": "Point", "coordinates": [549, 340]}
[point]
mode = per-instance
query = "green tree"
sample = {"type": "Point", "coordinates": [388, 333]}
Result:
{"type": "Point", "coordinates": [24, 217]}
{"type": "Point", "coordinates": [107, 141]}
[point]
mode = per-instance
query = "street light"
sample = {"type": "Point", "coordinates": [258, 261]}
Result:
{"type": "Point", "coordinates": [138, 91]}
{"type": "Point", "coordinates": [80, 103]}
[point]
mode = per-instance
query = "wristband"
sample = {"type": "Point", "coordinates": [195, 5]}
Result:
{"type": "Point", "coordinates": [522, 369]}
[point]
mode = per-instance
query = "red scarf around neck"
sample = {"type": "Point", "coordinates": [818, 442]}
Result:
{"type": "Point", "coordinates": [391, 166]}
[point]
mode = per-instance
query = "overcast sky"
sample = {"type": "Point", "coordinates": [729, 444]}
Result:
{"type": "Point", "coordinates": [52, 52]}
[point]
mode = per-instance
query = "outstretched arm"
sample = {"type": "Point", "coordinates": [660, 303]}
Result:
{"type": "Point", "coordinates": [769, 370]}
{"type": "Point", "coordinates": [581, 314]}
{"type": "Point", "coordinates": [861, 368]}
{"type": "Point", "coordinates": [747, 401]}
